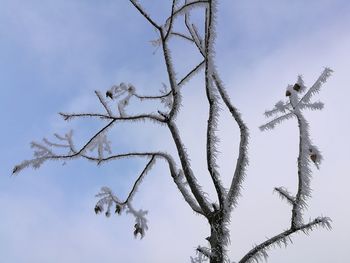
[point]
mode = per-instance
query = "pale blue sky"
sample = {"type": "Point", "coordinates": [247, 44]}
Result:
{"type": "Point", "coordinates": [54, 54]}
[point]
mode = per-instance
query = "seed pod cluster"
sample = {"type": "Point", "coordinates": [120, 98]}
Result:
{"type": "Point", "coordinates": [98, 209]}
{"type": "Point", "coordinates": [138, 230]}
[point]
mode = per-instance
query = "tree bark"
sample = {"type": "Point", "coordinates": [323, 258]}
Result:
{"type": "Point", "coordinates": [217, 237]}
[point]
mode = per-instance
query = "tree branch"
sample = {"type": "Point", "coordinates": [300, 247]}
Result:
{"type": "Point", "coordinates": [171, 20]}
{"type": "Point", "coordinates": [213, 115]}
{"type": "Point", "coordinates": [191, 73]}
{"type": "Point", "coordinates": [143, 13]}
{"type": "Point", "coordinates": [185, 8]}
{"type": "Point", "coordinates": [153, 97]}
{"type": "Point", "coordinates": [103, 102]}
{"type": "Point", "coordinates": [194, 36]}
{"type": "Point", "coordinates": [139, 179]}
{"type": "Point", "coordinates": [68, 116]}
{"type": "Point", "coordinates": [242, 160]}
{"type": "Point", "coordinates": [188, 173]}
{"type": "Point", "coordinates": [172, 167]}
{"type": "Point", "coordinates": [182, 36]}
{"type": "Point", "coordinates": [259, 251]}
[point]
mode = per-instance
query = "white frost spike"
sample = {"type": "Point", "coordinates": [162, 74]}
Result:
{"type": "Point", "coordinates": [102, 144]}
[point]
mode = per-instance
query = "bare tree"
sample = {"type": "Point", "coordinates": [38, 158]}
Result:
{"type": "Point", "coordinates": [217, 213]}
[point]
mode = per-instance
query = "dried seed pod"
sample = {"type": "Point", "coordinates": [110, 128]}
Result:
{"type": "Point", "coordinates": [138, 230]}
{"type": "Point", "coordinates": [313, 157]}
{"type": "Point", "coordinates": [296, 87]}
{"type": "Point", "coordinates": [98, 209]}
{"type": "Point", "coordinates": [109, 94]}
{"type": "Point", "coordinates": [288, 93]}
{"type": "Point", "coordinates": [118, 209]}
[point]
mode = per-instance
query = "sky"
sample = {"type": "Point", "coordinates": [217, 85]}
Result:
{"type": "Point", "coordinates": [55, 54]}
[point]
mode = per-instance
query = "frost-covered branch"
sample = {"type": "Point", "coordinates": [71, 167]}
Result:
{"type": "Point", "coordinates": [212, 98]}
{"type": "Point", "coordinates": [98, 148]}
{"type": "Point", "coordinates": [104, 103]}
{"type": "Point", "coordinates": [108, 199]}
{"type": "Point", "coordinates": [242, 161]}
{"type": "Point", "coordinates": [197, 40]}
{"type": "Point", "coordinates": [188, 173]}
{"type": "Point", "coordinates": [189, 5]}
{"type": "Point", "coordinates": [316, 87]}
{"type": "Point", "coordinates": [176, 174]}
{"type": "Point", "coordinates": [259, 252]}
{"type": "Point", "coordinates": [183, 36]}
{"type": "Point", "coordinates": [152, 117]}
{"type": "Point", "coordinates": [284, 194]}
{"type": "Point", "coordinates": [191, 73]}
{"type": "Point", "coordinates": [307, 153]}
{"type": "Point", "coordinates": [280, 107]}
{"type": "Point", "coordinates": [138, 6]}
{"type": "Point", "coordinates": [171, 20]}
{"type": "Point", "coordinates": [271, 124]}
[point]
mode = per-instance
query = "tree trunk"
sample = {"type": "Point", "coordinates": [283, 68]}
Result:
{"type": "Point", "coordinates": [217, 238]}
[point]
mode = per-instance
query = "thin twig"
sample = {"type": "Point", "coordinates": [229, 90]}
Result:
{"type": "Point", "coordinates": [191, 73]}
{"type": "Point", "coordinates": [153, 97]}
{"type": "Point", "coordinates": [152, 117]}
{"type": "Point", "coordinates": [186, 6]}
{"type": "Point", "coordinates": [138, 180]}
{"type": "Point", "coordinates": [142, 12]}
{"type": "Point", "coordinates": [171, 20]}
{"type": "Point", "coordinates": [103, 102]}
{"type": "Point", "coordinates": [182, 36]}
